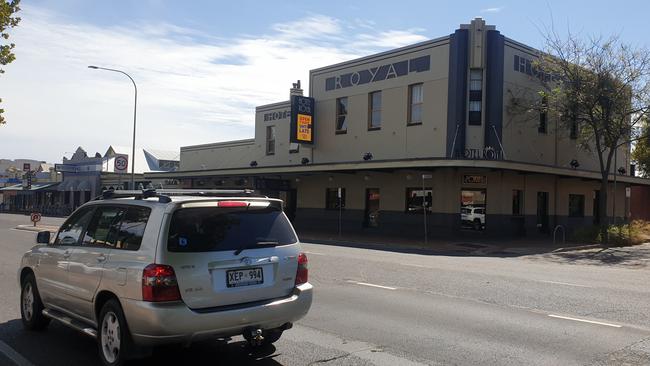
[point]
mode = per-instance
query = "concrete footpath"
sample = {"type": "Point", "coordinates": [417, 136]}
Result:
{"type": "Point", "coordinates": [476, 245]}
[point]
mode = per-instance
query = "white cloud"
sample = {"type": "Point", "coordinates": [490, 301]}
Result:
{"type": "Point", "coordinates": [492, 10]}
{"type": "Point", "coordinates": [192, 87]}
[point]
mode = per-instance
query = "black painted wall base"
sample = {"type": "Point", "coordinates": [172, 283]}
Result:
{"type": "Point", "coordinates": [440, 225]}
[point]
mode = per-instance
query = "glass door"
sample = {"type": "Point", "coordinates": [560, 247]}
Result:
{"type": "Point", "coordinates": [372, 207]}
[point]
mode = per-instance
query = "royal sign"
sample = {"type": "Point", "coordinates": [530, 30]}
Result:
{"type": "Point", "coordinates": [474, 179]}
{"type": "Point", "coordinates": [302, 119]}
{"type": "Point", "coordinates": [379, 73]}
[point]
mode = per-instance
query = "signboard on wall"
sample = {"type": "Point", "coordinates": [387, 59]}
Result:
{"type": "Point", "coordinates": [302, 119]}
{"type": "Point", "coordinates": [474, 179]}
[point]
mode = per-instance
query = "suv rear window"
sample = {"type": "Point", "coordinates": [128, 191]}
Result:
{"type": "Point", "coordinates": [207, 229]}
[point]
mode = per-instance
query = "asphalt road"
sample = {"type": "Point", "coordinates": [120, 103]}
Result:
{"type": "Point", "coordinates": [377, 307]}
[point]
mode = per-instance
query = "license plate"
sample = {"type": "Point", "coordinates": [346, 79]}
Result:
{"type": "Point", "coordinates": [244, 277]}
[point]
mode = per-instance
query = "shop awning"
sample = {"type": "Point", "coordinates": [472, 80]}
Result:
{"type": "Point", "coordinates": [84, 186]}
{"type": "Point", "coordinates": [34, 187]}
{"type": "Point", "coordinates": [389, 165]}
{"type": "Point", "coordinates": [64, 186]}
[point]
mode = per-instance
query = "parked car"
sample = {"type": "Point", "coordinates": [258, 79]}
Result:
{"type": "Point", "coordinates": [139, 269]}
{"type": "Point", "coordinates": [473, 216]}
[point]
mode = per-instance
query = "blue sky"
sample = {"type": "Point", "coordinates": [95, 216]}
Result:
{"type": "Point", "coordinates": [202, 66]}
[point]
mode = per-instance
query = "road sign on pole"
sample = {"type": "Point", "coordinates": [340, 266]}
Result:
{"type": "Point", "coordinates": [35, 217]}
{"type": "Point", "coordinates": [121, 164]}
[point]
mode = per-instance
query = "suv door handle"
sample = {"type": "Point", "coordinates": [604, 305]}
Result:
{"type": "Point", "coordinates": [101, 258]}
{"type": "Point", "coordinates": [67, 254]}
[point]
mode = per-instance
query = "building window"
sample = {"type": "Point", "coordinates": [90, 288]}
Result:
{"type": "Point", "coordinates": [341, 115]}
{"type": "Point", "coordinates": [475, 96]}
{"type": "Point", "coordinates": [415, 104]}
{"type": "Point", "coordinates": [270, 140]}
{"type": "Point", "coordinates": [576, 205]}
{"type": "Point", "coordinates": [543, 116]}
{"type": "Point", "coordinates": [374, 122]}
{"type": "Point", "coordinates": [416, 198]}
{"type": "Point", "coordinates": [517, 202]}
{"type": "Point", "coordinates": [332, 199]}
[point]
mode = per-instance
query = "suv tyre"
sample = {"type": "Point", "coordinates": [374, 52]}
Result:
{"type": "Point", "coordinates": [31, 307]}
{"type": "Point", "coordinates": [113, 335]}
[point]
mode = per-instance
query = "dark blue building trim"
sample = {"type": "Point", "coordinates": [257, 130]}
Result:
{"type": "Point", "coordinates": [494, 89]}
{"type": "Point", "coordinates": [457, 92]}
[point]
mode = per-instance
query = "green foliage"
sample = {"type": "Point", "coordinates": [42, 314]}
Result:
{"type": "Point", "coordinates": [8, 20]}
{"type": "Point", "coordinates": [636, 232]}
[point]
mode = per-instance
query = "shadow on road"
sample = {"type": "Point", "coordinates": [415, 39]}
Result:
{"type": "Point", "coordinates": [628, 257]}
{"type": "Point", "coordinates": [59, 345]}
{"type": "Point", "coordinates": [636, 256]}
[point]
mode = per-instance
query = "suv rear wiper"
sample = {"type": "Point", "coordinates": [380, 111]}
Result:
{"type": "Point", "coordinates": [258, 244]}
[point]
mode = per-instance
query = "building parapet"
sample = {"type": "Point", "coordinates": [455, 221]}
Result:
{"type": "Point", "coordinates": [217, 145]}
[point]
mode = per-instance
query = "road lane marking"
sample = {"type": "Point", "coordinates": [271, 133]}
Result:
{"type": "Point", "coordinates": [314, 253]}
{"type": "Point", "coordinates": [14, 356]}
{"type": "Point", "coordinates": [416, 265]}
{"type": "Point", "coordinates": [585, 321]}
{"type": "Point", "coordinates": [373, 285]}
{"type": "Point", "coordinates": [564, 283]}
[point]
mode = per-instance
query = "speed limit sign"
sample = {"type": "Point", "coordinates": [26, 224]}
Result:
{"type": "Point", "coordinates": [121, 163]}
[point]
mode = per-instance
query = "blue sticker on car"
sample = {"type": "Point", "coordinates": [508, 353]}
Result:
{"type": "Point", "coordinates": [182, 241]}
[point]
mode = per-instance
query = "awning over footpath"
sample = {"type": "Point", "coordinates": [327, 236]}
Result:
{"type": "Point", "coordinates": [34, 187]}
{"type": "Point", "coordinates": [74, 185]}
{"type": "Point", "coordinates": [390, 165]}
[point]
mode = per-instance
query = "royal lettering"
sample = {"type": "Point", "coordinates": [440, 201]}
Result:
{"type": "Point", "coordinates": [384, 72]}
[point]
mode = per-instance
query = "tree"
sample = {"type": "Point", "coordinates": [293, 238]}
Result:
{"type": "Point", "coordinates": [599, 90]}
{"type": "Point", "coordinates": [641, 151]}
{"type": "Point", "coordinates": [8, 20]}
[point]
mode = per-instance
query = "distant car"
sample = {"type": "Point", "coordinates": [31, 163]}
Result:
{"type": "Point", "coordinates": [473, 216]}
{"type": "Point", "coordinates": [138, 269]}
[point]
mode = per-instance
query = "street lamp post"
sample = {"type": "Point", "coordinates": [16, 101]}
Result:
{"type": "Point", "coordinates": [135, 108]}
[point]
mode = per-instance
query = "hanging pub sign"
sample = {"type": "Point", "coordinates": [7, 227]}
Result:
{"type": "Point", "coordinates": [302, 119]}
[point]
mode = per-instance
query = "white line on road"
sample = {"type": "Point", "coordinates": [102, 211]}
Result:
{"type": "Point", "coordinates": [14, 356]}
{"type": "Point", "coordinates": [584, 321]}
{"type": "Point", "coordinates": [416, 265]}
{"type": "Point", "coordinates": [564, 283]}
{"type": "Point", "coordinates": [314, 253]}
{"type": "Point", "coordinates": [373, 285]}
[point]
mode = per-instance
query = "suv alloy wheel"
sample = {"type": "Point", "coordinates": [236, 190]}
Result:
{"type": "Point", "coordinates": [113, 335]}
{"type": "Point", "coordinates": [31, 307]}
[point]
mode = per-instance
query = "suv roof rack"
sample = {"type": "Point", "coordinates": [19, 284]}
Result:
{"type": "Point", "coordinates": [164, 194]}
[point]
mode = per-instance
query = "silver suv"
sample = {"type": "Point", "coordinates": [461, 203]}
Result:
{"type": "Point", "coordinates": [138, 269]}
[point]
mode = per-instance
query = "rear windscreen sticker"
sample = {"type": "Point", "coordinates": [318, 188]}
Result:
{"type": "Point", "coordinates": [182, 241]}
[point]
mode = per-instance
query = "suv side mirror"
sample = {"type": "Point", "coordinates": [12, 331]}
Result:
{"type": "Point", "coordinates": [43, 237]}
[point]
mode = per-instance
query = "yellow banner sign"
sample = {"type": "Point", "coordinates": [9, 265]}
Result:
{"type": "Point", "coordinates": [304, 128]}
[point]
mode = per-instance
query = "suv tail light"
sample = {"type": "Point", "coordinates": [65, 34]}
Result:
{"type": "Point", "coordinates": [159, 283]}
{"type": "Point", "coordinates": [302, 274]}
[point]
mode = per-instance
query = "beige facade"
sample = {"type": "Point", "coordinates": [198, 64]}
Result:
{"type": "Point", "coordinates": [482, 162]}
